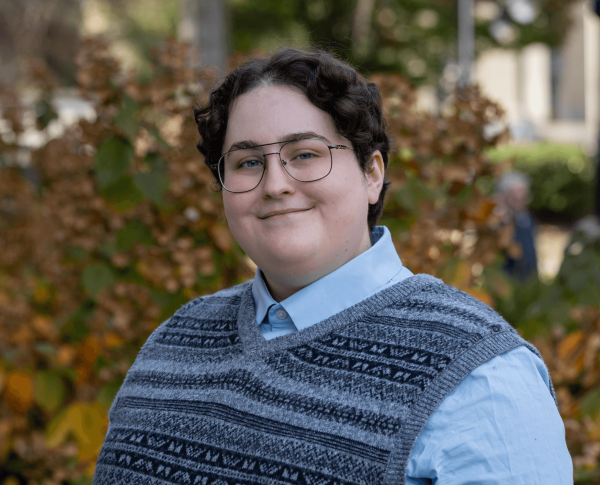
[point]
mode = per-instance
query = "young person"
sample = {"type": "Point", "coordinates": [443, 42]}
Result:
{"type": "Point", "coordinates": [335, 365]}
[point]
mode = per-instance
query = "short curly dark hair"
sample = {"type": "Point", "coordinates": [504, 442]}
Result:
{"type": "Point", "coordinates": [330, 84]}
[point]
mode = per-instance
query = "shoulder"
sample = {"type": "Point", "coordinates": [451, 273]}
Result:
{"type": "Point", "coordinates": [494, 404]}
{"type": "Point", "coordinates": [446, 305]}
{"type": "Point", "coordinates": [209, 314]}
{"type": "Point", "coordinates": [227, 298]}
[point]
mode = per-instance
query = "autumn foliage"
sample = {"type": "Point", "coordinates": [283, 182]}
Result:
{"type": "Point", "coordinates": [117, 223]}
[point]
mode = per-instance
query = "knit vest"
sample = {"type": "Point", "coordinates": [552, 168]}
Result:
{"type": "Point", "coordinates": [209, 401]}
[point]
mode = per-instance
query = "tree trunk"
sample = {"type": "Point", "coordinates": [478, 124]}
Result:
{"type": "Point", "coordinates": [361, 27]}
{"type": "Point", "coordinates": [203, 24]}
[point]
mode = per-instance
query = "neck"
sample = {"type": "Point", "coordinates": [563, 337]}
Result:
{"type": "Point", "coordinates": [282, 286]}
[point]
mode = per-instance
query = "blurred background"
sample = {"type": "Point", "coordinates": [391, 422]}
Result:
{"type": "Point", "coordinates": [109, 220]}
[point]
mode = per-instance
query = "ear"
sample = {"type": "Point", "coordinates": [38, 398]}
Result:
{"type": "Point", "coordinates": [374, 176]}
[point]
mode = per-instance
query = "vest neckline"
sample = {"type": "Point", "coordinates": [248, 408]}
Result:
{"type": "Point", "coordinates": [253, 341]}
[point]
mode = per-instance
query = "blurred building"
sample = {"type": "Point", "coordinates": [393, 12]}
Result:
{"type": "Point", "coordinates": [550, 94]}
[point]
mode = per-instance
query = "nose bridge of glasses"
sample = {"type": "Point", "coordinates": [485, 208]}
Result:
{"type": "Point", "coordinates": [279, 159]}
{"type": "Point", "coordinates": [272, 153]}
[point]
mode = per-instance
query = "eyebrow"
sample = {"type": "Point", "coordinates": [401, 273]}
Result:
{"type": "Point", "coordinates": [239, 145]}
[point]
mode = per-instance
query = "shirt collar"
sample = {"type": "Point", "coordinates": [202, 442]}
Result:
{"type": "Point", "coordinates": [348, 285]}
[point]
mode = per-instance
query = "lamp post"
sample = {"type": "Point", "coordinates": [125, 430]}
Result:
{"type": "Point", "coordinates": [521, 11]}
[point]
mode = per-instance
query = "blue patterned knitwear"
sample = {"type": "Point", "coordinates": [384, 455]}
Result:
{"type": "Point", "coordinates": [209, 401]}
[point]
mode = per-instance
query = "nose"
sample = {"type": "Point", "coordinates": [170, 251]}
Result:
{"type": "Point", "coordinates": [276, 181]}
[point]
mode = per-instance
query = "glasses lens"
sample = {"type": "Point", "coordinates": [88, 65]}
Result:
{"type": "Point", "coordinates": [241, 170]}
{"type": "Point", "coordinates": [306, 160]}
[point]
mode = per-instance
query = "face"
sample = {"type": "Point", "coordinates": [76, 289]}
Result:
{"type": "Point", "coordinates": [517, 196]}
{"type": "Point", "coordinates": [297, 232]}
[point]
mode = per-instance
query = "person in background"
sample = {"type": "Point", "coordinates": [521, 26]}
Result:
{"type": "Point", "coordinates": [513, 198]}
{"type": "Point", "coordinates": [335, 365]}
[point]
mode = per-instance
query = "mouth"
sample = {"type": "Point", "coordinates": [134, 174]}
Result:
{"type": "Point", "coordinates": [282, 212]}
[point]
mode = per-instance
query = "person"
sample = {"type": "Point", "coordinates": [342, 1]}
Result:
{"type": "Point", "coordinates": [513, 198]}
{"type": "Point", "coordinates": [335, 364]}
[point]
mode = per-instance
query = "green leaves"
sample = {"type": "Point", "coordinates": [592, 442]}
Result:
{"type": "Point", "coordinates": [132, 233]}
{"type": "Point", "coordinates": [44, 112]}
{"type": "Point", "coordinates": [123, 194]}
{"type": "Point", "coordinates": [120, 190]}
{"type": "Point", "coordinates": [48, 390]}
{"type": "Point", "coordinates": [126, 117]}
{"type": "Point", "coordinates": [590, 404]}
{"type": "Point", "coordinates": [411, 193]}
{"type": "Point", "coordinates": [107, 394]}
{"type": "Point", "coordinates": [96, 277]}
{"type": "Point", "coordinates": [113, 159]}
{"type": "Point", "coordinates": [153, 186]}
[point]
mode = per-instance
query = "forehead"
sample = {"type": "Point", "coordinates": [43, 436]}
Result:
{"type": "Point", "coordinates": [267, 114]}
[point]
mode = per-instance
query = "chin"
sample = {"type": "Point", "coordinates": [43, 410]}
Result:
{"type": "Point", "coordinates": [292, 256]}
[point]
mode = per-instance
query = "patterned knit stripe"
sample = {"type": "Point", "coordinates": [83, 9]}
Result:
{"type": "Point", "coordinates": [385, 352]}
{"type": "Point", "coordinates": [207, 431]}
{"type": "Point", "coordinates": [428, 401]}
{"type": "Point", "coordinates": [455, 305]}
{"type": "Point", "coordinates": [396, 374]}
{"type": "Point", "coordinates": [162, 471]}
{"type": "Point", "coordinates": [354, 383]}
{"type": "Point", "coordinates": [245, 384]}
{"type": "Point", "coordinates": [217, 332]}
{"type": "Point", "coordinates": [178, 339]}
{"type": "Point", "coordinates": [250, 421]}
{"type": "Point", "coordinates": [397, 333]}
{"type": "Point", "coordinates": [187, 454]}
{"type": "Point", "coordinates": [202, 324]}
{"type": "Point", "coordinates": [421, 324]}
{"type": "Point", "coordinates": [432, 311]}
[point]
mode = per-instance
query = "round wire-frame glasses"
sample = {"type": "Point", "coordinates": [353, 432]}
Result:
{"type": "Point", "coordinates": [219, 166]}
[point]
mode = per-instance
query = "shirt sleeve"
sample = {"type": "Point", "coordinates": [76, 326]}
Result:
{"type": "Point", "coordinates": [499, 425]}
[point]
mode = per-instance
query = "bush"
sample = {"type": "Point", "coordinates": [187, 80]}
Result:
{"type": "Point", "coordinates": [122, 228]}
{"type": "Point", "coordinates": [562, 178]}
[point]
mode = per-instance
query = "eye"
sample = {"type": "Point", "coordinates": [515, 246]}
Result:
{"type": "Point", "coordinates": [250, 163]}
{"type": "Point", "coordinates": [303, 156]}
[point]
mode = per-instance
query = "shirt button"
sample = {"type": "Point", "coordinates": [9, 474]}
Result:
{"type": "Point", "coordinates": [281, 314]}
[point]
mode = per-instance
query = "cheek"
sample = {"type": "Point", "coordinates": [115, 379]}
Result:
{"type": "Point", "coordinates": [234, 213]}
{"type": "Point", "coordinates": [348, 197]}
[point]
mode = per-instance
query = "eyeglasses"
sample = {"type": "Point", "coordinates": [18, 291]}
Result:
{"type": "Point", "coordinates": [305, 160]}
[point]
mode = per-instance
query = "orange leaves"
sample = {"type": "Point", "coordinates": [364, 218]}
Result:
{"type": "Point", "coordinates": [112, 340]}
{"type": "Point", "coordinates": [481, 295]}
{"type": "Point", "coordinates": [482, 211]}
{"type": "Point", "coordinates": [82, 284]}
{"type": "Point", "coordinates": [222, 237]}
{"type": "Point", "coordinates": [442, 194]}
{"type": "Point", "coordinates": [5, 430]}
{"type": "Point", "coordinates": [569, 344]}
{"type": "Point", "coordinates": [65, 355]}
{"type": "Point", "coordinates": [19, 391]}
{"type": "Point", "coordinates": [86, 357]}
{"type": "Point", "coordinates": [44, 327]}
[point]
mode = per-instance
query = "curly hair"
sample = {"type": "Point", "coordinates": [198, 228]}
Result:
{"type": "Point", "coordinates": [330, 84]}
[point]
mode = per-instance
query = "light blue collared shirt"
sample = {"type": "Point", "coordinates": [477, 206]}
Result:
{"type": "Point", "coordinates": [498, 426]}
{"type": "Point", "coordinates": [367, 274]}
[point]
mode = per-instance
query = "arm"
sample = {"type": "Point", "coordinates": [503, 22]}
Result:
{"type": "Point", "coordinates": [500, 425]}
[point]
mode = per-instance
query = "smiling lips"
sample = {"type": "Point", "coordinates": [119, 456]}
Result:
{"type": "Point", "coordinates": [281, 212]}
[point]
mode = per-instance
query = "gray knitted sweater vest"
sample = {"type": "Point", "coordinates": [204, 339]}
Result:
{"type": "Point", "coordinates": [210, 401]}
